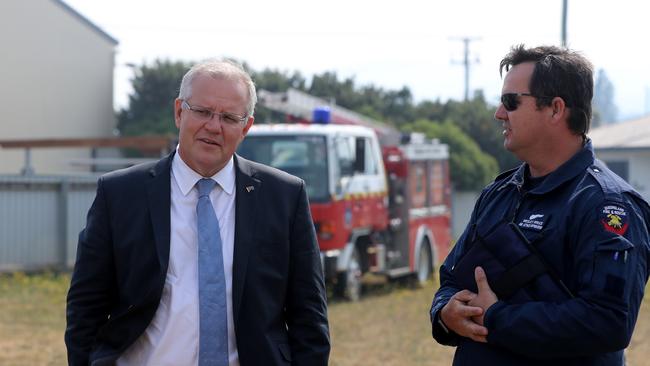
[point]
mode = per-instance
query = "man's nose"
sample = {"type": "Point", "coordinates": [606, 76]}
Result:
{"type": "Point", "coordinates": [500, 114]}
{"type": "Point", "coordinates": [214, 124]}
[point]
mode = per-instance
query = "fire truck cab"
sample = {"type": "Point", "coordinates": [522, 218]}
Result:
{"type": "Point", "coordinates": [382, 210]}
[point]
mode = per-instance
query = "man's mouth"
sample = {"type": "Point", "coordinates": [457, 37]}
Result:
{"type": "Point", "coordinates": [209, 141]}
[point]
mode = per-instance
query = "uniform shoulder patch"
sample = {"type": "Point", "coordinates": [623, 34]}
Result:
{"type": "Point", "coordinates": [614, 218]}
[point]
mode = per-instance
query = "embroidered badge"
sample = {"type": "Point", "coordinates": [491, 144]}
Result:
{"type": "Point", "coordinates": [533, 222]}
{"type": "Point", "coordinates": [614, 219]}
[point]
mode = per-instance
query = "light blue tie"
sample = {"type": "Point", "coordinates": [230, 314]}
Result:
{"type": "Point", "coordinates": [213, 322]}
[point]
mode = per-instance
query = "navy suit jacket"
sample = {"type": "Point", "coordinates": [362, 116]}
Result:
{"type": "Point", "coordinates": [278, 294]}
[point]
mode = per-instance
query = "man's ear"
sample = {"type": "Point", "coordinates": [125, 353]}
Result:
{"type": "Point", "coordinates": [247, 127]}
{"type": "Point", "coordinates": [177, 112]}
{"type": "Point", "coordinates": [558, 107]}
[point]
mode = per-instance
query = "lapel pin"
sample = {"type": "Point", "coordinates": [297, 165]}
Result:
{"type": "Point", "coordinates": [249, 189]}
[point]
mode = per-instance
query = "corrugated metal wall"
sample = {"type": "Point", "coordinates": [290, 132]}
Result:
{"type": "Point", "coordinates": [40, 219]}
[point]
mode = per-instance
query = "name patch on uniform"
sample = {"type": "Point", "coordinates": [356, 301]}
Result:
{"type": "Point", "coordinates": [614, 218]}
{"type": "Point", "coordinates": [533, 222]}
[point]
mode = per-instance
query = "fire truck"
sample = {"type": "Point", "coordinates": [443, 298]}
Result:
{"type": "Point", "coordinates": [378, 208]}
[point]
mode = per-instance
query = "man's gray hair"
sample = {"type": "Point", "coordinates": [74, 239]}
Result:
{"type": "Point", "coordinates": [219, 68]}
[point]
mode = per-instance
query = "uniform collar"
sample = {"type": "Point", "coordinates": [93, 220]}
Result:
{"type": "Point", "coordinates": [567, 171]}
{"type": "Point", "coordinates": [186, 178]}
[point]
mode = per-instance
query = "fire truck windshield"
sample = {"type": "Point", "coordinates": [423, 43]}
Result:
{"type": "Point", "coordinates": [302, 156]}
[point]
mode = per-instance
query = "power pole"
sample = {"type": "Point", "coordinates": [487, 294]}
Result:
{"type": "Point", "coordinates": [466, 61]}
{"type": "Point", "coordinates": [564, 16]}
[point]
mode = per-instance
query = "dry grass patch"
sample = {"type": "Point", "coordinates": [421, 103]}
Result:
{"type": "Point", "coordinates": [389, 326]}
{"type": "Point", "coordinates": [32, 320]}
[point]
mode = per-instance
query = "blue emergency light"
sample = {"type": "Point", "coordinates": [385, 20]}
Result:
{"type": "Point", "coordinates": [321, 115]}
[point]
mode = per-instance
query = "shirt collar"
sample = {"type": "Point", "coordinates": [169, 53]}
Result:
{"type": "Point", "coordinates": [570, 169]}
{"type": "Point", "coordinates": [186, 178]}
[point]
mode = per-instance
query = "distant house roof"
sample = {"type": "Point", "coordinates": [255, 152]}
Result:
{"type": "Point", "coordinates": [633, 134]}
{"type": "Point", "coordinates": [85, 20]}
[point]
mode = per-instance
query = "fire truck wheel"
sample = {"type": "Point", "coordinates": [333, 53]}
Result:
{"type": "Point", "coordinates": [348, 284]}
{"type": "Point", "coordinates": [424, 266]}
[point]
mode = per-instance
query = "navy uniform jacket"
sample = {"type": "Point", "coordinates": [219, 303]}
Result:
{"type": "Point", "coordinates": [591, 228]}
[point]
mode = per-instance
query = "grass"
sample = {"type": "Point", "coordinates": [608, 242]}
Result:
{"type": "Point", "coordinates": [32, 319]}
{"type": "Point", "coordinates": [389, 326]}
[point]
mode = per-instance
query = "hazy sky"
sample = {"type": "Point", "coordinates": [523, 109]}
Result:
{"type": "Point", "coordinates": [386, 43]}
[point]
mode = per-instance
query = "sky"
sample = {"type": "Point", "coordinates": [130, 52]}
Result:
{"type": "Point", "coordinates": [390, 44]}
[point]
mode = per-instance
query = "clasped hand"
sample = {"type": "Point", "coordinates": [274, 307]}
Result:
{"type": "Point", "coordinates": [465, 310]}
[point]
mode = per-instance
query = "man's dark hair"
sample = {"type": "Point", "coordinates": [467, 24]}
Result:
{"type": "Point", "coordinates": [559, 72]}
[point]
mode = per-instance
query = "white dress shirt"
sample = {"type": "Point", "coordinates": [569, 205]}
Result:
{"type": "Point", "coordinates": [172, 337]}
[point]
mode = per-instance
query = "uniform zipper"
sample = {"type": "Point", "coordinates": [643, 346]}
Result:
{"type": "Point", "coordinates": [522, 195]}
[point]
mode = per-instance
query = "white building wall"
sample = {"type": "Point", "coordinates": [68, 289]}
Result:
{"type": "Point", "coordinates": [56, 73]}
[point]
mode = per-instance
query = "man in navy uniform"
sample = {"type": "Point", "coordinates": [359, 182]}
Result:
{"type": "Point", "coordinates": [552, 266]}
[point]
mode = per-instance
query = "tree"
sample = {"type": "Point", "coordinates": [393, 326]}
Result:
{"type": "Point", "coordinates": [151, 105]}
{"type": "Point", "coordinates": [392, 106]}
{"type": "Point", "coordinates": [476, 119]}
{"type": "Point", "coordinates": [398, 106]}
{"type": "Point", "coordinates": [471, 168]}
{"type": "Point", "coordinates": [472, 128]}
{"type": "Point", "coordinates": [327, 86]}
{"type": "Point", "coordinates": [605, 110]}
{"type": "Point", "coordinates": [274, 80]}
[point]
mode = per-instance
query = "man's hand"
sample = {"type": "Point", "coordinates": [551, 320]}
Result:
{"type": "Point", "coordinates": [457, 316]}
{"type": "Point", "coordinates": [485, 298]}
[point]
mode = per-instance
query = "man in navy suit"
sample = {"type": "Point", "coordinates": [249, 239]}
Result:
{"type": "Point", "coordinates": [134, 294]}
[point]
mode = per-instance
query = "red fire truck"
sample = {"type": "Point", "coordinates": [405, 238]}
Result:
{"type": "Point", "coordinates": [382, 209]}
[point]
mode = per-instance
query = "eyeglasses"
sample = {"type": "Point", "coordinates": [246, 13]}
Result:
{"type": "Point", "coordinates": [205, 115]}
{"type": "Point", "coordinates": [510, 101]}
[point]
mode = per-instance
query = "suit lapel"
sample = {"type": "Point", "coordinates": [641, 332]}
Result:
{"type": "Point", "coordinates": [247, 188]}
{"type": "Point", "coordinates": [158, 198]}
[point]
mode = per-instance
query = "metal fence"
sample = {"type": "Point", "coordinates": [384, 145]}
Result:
{"type": "Point", "coordinates": [41, 217]}
{"type": "Point", "coordinates": [40, 220]}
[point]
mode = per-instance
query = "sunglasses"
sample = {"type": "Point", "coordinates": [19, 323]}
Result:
{"type": "Point", "coordinates": [511, 102]}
